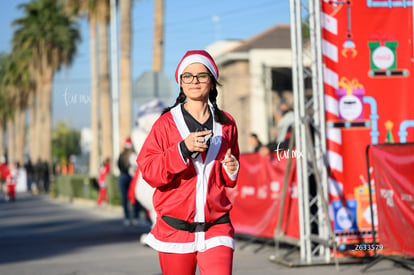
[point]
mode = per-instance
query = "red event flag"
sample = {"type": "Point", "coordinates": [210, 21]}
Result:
{"type": "Point", "coordinates": [394, 183]}
{"type": "Point", "coordinates": [258, 194]}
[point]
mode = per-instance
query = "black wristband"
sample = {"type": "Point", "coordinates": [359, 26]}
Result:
{"type": "Point", "coordinates": [184, 150]}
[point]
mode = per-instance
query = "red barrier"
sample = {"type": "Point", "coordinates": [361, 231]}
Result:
{"type": "Point", "coordinates": [394, 183]}
{"type": "Point", "coordinates": [257, 196]}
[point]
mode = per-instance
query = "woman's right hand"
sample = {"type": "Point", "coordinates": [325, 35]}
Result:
{"type": "Point", "coordinates": [194, 141]}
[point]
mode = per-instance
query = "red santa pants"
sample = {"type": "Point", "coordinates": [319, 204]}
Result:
{"type": "Point", "coordinates": [102, 196]}
{"type": "Point", "coordinates": [215, 261]}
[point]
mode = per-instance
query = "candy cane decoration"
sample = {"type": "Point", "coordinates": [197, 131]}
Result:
{"type": "Point", "coordinates": [334, 137]}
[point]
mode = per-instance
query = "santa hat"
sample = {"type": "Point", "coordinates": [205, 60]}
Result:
{"type": "Point", "coordinates": [128, 143]}
{"type": "Point", "coordinates": [197, 56]}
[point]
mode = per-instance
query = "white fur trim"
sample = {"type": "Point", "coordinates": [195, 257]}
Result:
{"type": "Point", "coordinates": [182, 248]}
{"type": "Point", "coordinates": [234, 175]}
{"type": "Point", "coordinates": [197, 58]}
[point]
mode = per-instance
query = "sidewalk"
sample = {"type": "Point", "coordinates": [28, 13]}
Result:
{"type": "Point", "coordinates": [40, 235]}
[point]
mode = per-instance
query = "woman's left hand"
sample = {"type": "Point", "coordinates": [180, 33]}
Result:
{"type": "Point", "coordinates": [230, 162]}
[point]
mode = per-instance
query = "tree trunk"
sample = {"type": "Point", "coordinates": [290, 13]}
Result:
{"type": "Point", "coordinates": [1, 139]}
{"type": "Point", "coordinates": [45, 116]}
{"type": "Point", "coordinates": [33, 136]}
{"type": "Point", "coordinates": [37, 127]}
{"type": "Point", "coordinates": [39, 122]}
{"type": "Point", "coordinates": [20, 129]}
{"type": "Point", "coordinates": [105, 96]}
{"type": "Point", "coordinates": [125, 71]}
{"type": "Point", "coordinates": [94, 149]}
{"type": "Point", "coordinates": [10, 141]}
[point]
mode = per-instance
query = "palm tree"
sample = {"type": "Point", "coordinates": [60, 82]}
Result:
{"type": "Point", "coordinates": [125, 124]}
{"type": "Point", "coordinates": [88, 8]}
{"type": "Point", "coordinates": [8, 81]}
{"type": "Point", "coordinates": [98, 11]}
{"type": "Point", "coordinates": [17, 81]}
{"type": "Point", "coordinates": [3, 103]}
{"type": "Point", "coordinates": [94, 153]}
{"type": "Point", "coordinates": [6, 108]}
{"type": "Point", "coordinates": [25, 88]}
{"type": "Point", "coordinates": [102, 13]}
{"type": "Point", "coordinates": [32, 126]}
{"type": "Point", "coordinates": [52, 36]}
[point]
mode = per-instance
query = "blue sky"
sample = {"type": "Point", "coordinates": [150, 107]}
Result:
{"type": "Point", "coordinates": [188, 25]}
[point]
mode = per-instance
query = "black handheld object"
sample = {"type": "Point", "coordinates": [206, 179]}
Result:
{"type": "Point", "coordinates": [205, 141]}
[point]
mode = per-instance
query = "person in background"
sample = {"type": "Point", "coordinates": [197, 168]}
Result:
{"type": "Point", "coordinates": [285, 120]}
{"type": "Point", "coordinates": [46, 176]}
{"type": "Point", "coordinates": [190, 157]}
{"type": "Point", "coordinates": [148, 113]}
{"type": "Point", "coordinates": [70, 165]}
{"type": "Point", "coordinates": [255, 142]}
{"type": "Point", "coordinates": [4, 172]}
{"type": "Point", "coordinates": [21, 178]}
{"type": "Point", "coordinates": [127, 166]}
{"type": "Point", "coordinates": [11, 177]}
{"type": "Point", "coordinates": [30, 175]}
{"type": "Point", "coordinates": [39, 176]}
{"type": "Point", "coordinates": [103, 172]}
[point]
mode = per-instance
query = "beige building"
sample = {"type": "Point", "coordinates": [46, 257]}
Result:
{"type": "Point", "coordinates": [255, 74]}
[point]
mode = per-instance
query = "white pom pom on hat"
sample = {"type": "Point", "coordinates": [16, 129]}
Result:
{"type": "Point", "coordinates": [197, 56]}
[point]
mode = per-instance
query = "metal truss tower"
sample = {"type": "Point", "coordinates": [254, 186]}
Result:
{"type": "Point", "coordinates": [317, 240]}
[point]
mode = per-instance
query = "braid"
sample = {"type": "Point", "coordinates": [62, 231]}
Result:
{"type": "Point", "coordinates": [180, 99]}
{"type": "Point", "coordinates": [219, 115]}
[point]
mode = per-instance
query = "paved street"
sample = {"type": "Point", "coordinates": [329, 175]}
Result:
{"type": "Point", "coordinates": [40, 235]}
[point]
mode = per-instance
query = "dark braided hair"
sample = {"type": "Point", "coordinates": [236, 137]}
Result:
{"type": "Point", "coordinates": [180, 99]}
{"type": "Point", "coordinates": [219, 115]}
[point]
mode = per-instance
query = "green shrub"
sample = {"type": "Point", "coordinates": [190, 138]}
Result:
{"type": "Point", "coordinates": [82, 186]}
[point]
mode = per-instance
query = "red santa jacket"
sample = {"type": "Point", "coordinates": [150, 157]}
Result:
{"type": "Point", "coordinates": [103, 172]}
{"type": "Point", "coordinates": [4, 171]}
{"type": "Point", "coordinates": [188, 189]}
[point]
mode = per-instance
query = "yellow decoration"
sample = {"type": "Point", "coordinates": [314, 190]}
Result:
{"type": "Point", "coordinates": [349, 85]}
{"type": "Point", "coordinates": [345, 52]}
{"type": "Point", "coordinates": [389, 124]}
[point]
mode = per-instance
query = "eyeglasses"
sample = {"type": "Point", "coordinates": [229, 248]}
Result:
{"type": "Point", "coordinates": [188, 78]}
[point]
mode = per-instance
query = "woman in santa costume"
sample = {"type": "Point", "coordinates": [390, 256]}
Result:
{"type": "Point", "coordinates": [103, 173]}
{"type": "Point", "coordinates": [191, 174]}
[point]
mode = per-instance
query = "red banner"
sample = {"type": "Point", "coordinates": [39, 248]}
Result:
{"type": "Point", "coordinates": [367, 48]}
{"type": "Point", "coordinates": [257, 197]}
{"type": "Point", "coordinates": [393, 167]}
